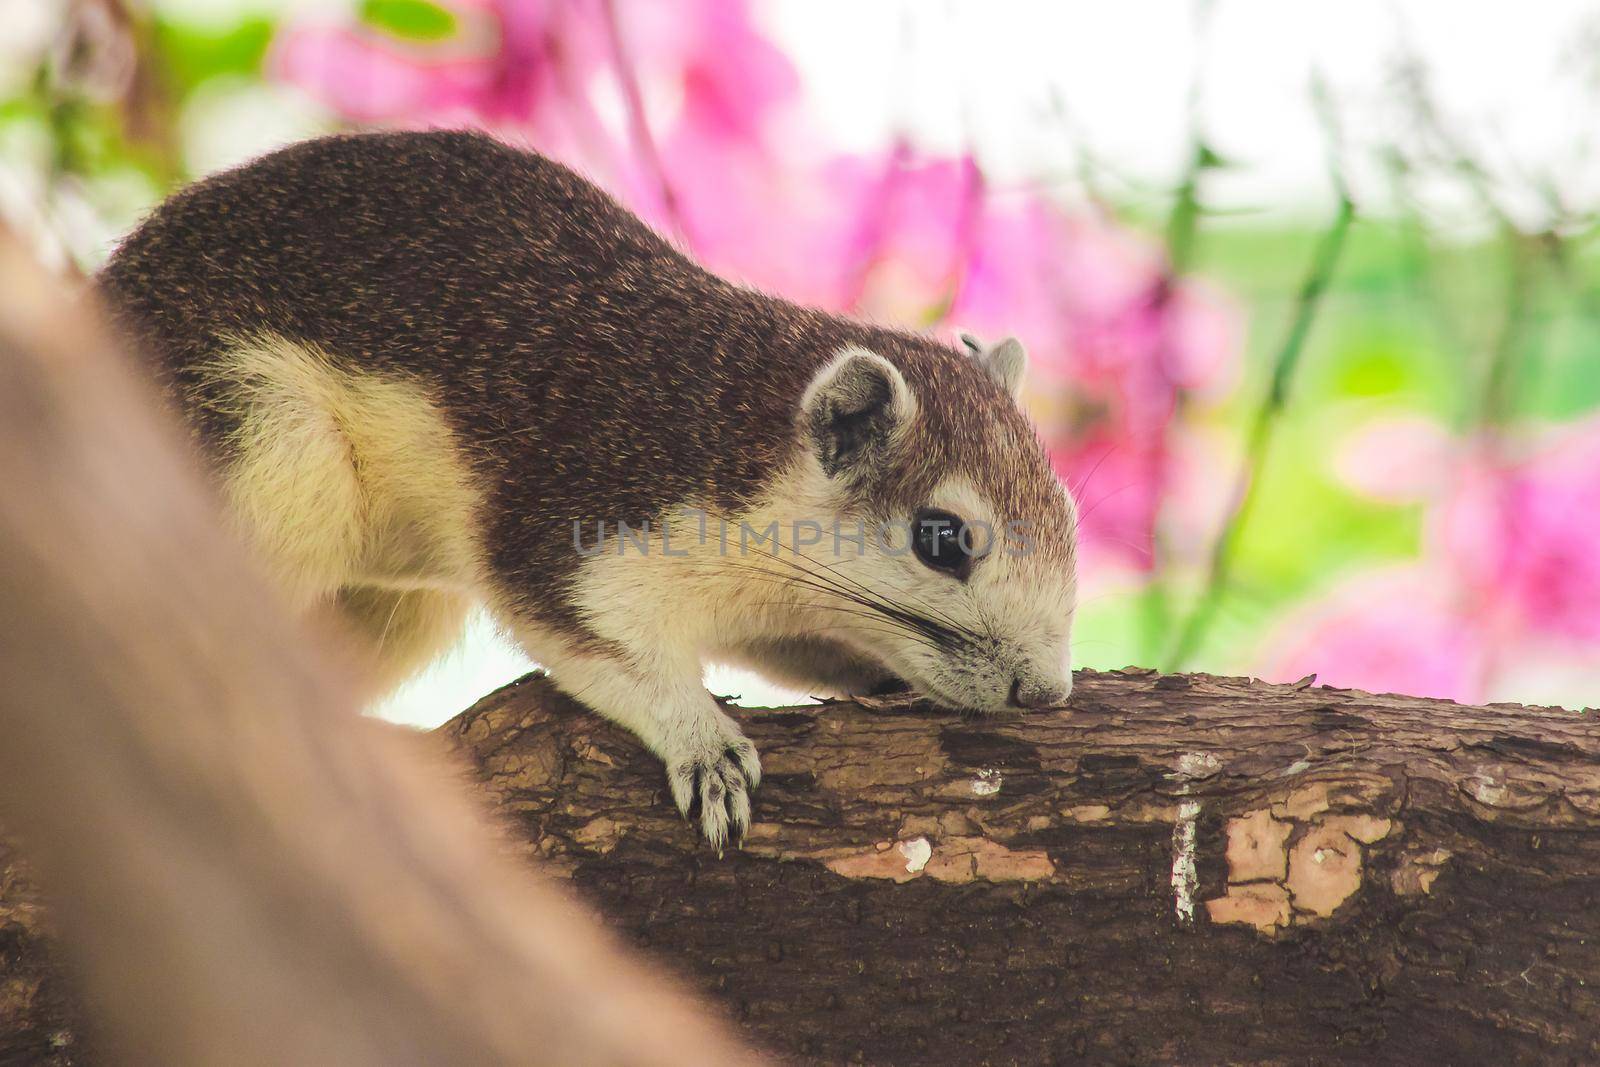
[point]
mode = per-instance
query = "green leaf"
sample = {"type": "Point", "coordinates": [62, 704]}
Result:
{"type": "Point", "coordinates": [188, 55]}
{"type": "Point", "coordinates": [416, 20]}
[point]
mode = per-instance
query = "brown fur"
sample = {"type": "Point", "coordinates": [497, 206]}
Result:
{"type": "Point", "coordinates": [589, 369]}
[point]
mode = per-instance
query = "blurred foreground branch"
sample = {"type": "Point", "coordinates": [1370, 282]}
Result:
{"type": "Point", "coordinates": [243, 869]}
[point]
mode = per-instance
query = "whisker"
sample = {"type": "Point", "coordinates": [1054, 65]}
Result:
{"type": "Point", "coordinates": [834, 569]}
{"type": "Point", "coordinates": [941, 636]}
{"type": "Point", "coordinates": [949, 636]}
{"type": "Point", "coordinates": [1077, 490]}
{"type": "Point", "coordinates": [942, 632]}
{"type": "Point", "coordinates": [943, 618]}
{"type": "Point", "coordinates": [891, 631]}
{"type": "Point", "coordinates": [917, 629]}
{"type": "Point", "coordinates": [1084, 515]}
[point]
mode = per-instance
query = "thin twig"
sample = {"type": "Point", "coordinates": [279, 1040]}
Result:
{"type": "Point", "coordinates": [1497, 400]}
{"type": "Point", "coordinates": [1323, 264]}
{"type": "Point", "coordinates": [1155, 601]}
{"type": "Point", "coordinates": [1418, 253]}
{"type": "Point", "coordinates": [966, 228]}
{"type": "Point", "coordinates": [644, 144]}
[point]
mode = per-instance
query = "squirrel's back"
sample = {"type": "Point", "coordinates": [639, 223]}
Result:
{"type": "Point", "coordinates": [529, 304]}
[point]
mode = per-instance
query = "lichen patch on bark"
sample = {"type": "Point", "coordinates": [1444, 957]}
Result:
{"type": "Point", "coordinates": [917, 852]}
{"type": "Point", "coordinates": [987, 783]}
{"type": "Point", "coordinates": [1184, 869]}
{"type": "Point", "coordinates": [1195, 765]}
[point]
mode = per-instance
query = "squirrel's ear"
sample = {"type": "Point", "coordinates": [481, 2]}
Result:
{"type": "Point", "coordinates": [1006, 362]}
{"type": "Point", "coordinates": [853, 409]}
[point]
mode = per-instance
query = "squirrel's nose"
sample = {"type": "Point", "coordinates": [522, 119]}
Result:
{"type": "Point", "coordinates": [1034, 694]}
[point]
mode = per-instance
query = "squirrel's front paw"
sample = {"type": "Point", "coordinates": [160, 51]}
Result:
{"type": "Point", "coordinates": [716, 770]}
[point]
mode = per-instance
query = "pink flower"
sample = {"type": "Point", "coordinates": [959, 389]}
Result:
{"type": "Point", "coordinates": [1397, 459]}
{"type": "Point", "coordinates": [532, 71]}
{"type": "Point", "coordinates": [1515, 564]}
{"type": "Point", "coordinates": [702, 89]}
{"type": "Point", "coordinates": [521, 63]}
{"type": "Point", "coordinates": [732, 77]}
{"type": "Point", "coordinates": [880, 236]}
{"type": "Point", "coordinates": [1526, 534]}
{"type": "Point", "coordinates": [910, 237]}
{"type": "Point", "coordinates": [1390, 631]}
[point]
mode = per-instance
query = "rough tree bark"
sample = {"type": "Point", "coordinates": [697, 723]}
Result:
{"type": "Point", "coordinates": [1176, 869]}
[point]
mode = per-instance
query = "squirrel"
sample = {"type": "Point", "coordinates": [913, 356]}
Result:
{"type": "Point", "coordinates": [433, 370]}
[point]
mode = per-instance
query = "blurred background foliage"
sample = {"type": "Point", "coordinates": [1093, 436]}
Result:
{"type": "Point", "coordinates": [1312, 300]}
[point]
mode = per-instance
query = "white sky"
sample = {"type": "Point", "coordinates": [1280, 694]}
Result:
{"type": "Point", "coordinates": [1510, 75]}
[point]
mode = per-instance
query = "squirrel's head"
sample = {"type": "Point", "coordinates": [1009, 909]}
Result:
{"type": "Point", "coordinates": [948, 545]}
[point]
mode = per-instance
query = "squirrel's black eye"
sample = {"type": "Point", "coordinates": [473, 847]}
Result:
{"type": "Point", "coordinates": [942, 541]}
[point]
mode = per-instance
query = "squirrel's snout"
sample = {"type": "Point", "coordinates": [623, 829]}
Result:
{"type": "Point", "coordinates": [1035, 693]}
